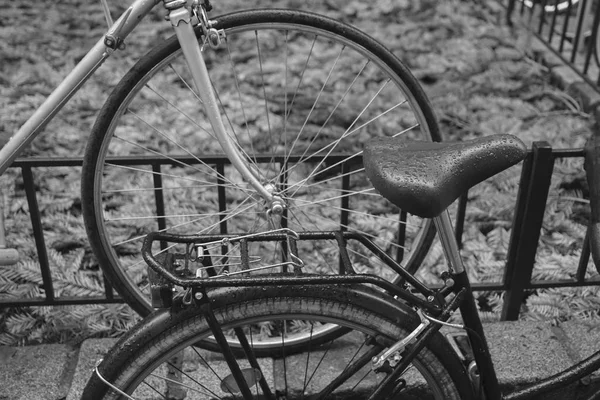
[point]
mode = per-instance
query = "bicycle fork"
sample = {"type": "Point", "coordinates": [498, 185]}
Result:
{"type": "Point", "coordinates": [181, 20]}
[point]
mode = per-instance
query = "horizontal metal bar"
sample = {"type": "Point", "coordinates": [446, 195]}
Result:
{"type": "Point", "coordinates": [498, 286]}
{"type": "Point", "coordinates": [213, 159]}
{"type": "Point", "coordinates": [178, 159]}
{"type": "Point", "coordinates": [60, 301]}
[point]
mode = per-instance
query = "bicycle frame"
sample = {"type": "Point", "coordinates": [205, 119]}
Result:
{"type": "Point", "coordinates": [181, 20]}
{"type": "Point", "coordinates": [476, 335]}
{"type": "Point", "coordinates": [69, 86]}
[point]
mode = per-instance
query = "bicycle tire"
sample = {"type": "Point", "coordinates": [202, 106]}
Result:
{"type": "Point", "coordinates": [373, 320]}
{"type": "Point", "coordinates": [112, 210]}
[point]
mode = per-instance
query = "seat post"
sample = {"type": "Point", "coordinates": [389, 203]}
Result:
{"type": "Point", "coordinates": [446, 233]}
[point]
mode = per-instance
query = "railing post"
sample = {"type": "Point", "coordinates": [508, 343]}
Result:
{"type": "Point", "coordinates": [461, 213]}
{"type": "Point", "coordinates": [222, 199]}
{"type": "Point", "coordinates": [158, 196]}
{"type": "Point", "coordinates": [159, 200]}
{"type": "Point", "coordinates": [527, 222]}
{"type": "Point", "coordinates": [509, 11]}
{"type": "Point", "coordinates": [38, 232]}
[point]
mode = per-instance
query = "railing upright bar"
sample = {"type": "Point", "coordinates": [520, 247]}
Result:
{"type": "Point", "coordinates": [542, 16]}
{"type": "Point", "coordinates": [552, 27]}
{"type": "Point", "coordinates": [222, 200]}
{"type": "Point", "coordinates": [580, 16]}
{"type": "Point", "coordinates": [345, 203]}
{"type": "Point", "coordinates": [563, 36]}
{"type": "Point", "coordinates": [402, 219]}
{"type": "Point", "coordinates": [518, 220]}
{"type": "Point", "coordinates": [159, 196]}
{"type": "Point", "coordinates": [38, 232]}
{"type": "Point", "coordinates": [591, 41]}
{"type": "Point", "coordinates": [109, 293]}
{"type": "Point", "coordinates": [345, 215]}
{"type": "Point", "coordinates": [584, 258]}
{"type": "Point", "coordinates": [159, 200]}
{"type": "Point", "coordinates": [595, 28]}
{"type": "Point", "coordinates": [526, 228]}
{"type": "Point", "coordinates": [283, 183]}
{"type": "Point", "coordinates": [460, 218]}
{"type": "Point", "coordinates": [510, 8]}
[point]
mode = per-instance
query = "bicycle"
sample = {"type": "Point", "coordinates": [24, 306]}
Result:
{"type": "Point", "coordinates": [396, 348]}
{"type": "Point", "coordinates": [294, 94]}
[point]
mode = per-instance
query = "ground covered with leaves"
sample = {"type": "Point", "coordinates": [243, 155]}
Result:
{"type": "Point", "coordinates": [477, 72]}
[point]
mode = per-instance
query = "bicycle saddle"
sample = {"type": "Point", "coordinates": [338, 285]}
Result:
{"type": "Point", "coordinates": [424, 178]}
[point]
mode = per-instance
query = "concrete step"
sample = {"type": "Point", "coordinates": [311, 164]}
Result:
{"type": "Point", "coordinates": [524, 352]}
{"type": "Point", "coordinates": [37, 372]}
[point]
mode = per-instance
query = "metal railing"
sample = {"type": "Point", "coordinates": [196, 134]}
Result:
{"type": "Point", "coordinates": [569, 28]}
{"type": "Point", "coordinates": [530, 207]}
{"type": "Point", "coordinates": [27, 167]}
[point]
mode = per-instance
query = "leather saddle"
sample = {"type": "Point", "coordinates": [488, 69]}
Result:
{"type": "Point", "coordinates": [424, 178]}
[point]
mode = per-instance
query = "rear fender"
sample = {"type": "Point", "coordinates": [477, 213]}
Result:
{"type": "Point", "coordinates": [160, 320]}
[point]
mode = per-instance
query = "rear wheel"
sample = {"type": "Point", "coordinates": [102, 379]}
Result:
{"type": "Point", "coordinates": [168, 366]}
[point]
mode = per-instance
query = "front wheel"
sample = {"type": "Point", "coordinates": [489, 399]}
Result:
{"type": "Point", "coordinates": [170, 366]}
{"type": "Point", "coordinates": [300, 94]}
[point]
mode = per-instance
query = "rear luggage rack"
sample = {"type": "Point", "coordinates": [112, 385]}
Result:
{"type": "Point", "coordinates": [206, 261]}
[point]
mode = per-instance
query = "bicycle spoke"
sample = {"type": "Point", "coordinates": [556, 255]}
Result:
{"type": "Point", "coordinates": [321, 360]}
{"type": "Point", "coordinates": [167, 137]}
{"type": "Point", "coordinates": [312, 46]}
{"type": "Point", "coordinates": [187, 85]}
{"type": "Point", "coordinates": [371, 236]}
{"type": "Point", "coordinates": [264, 90]}
{"type": "Point", "coordinates": [239, 94]}
{"type": "Point", "coordinates": [351, 368]}
{"type": "Point", "coordinates": [183, 178]}
{"type": "Point", "coordinates": [334, 144]}
{"type": "Point", "coordinates": [285, 93]}
{"type": "Point", "coordinates": [155, 390]}
{"type": "Point", "coordinates": [178, 109]}
{"type": "Point", "coordinates": [202, 217]}
{"type": "Point", "coordinates": [348, 132]}
{"type": "Point", "coordinates": [233, 136]}
{"type": "Point", "coordinates": [343, 97]}
{"type": "Point", "coordinates": [339, 163]}
{"type": "Point", "coordinates": [314, 105]}
{"type": "Point", "coordinates": [347, 193]}
{"type": "Point", "coordinates": [308, 350]}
